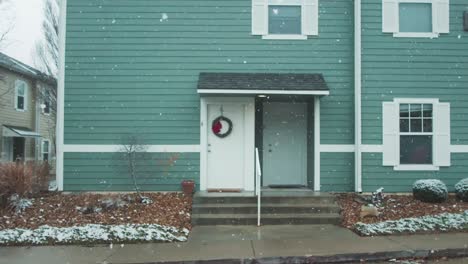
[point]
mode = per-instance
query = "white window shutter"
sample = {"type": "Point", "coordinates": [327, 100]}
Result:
{"type": "Point", "coordinates": [259, 17]}
{"type": "Point", "coordinates": [310, 17]}
{"type": "Point", "coordinates": [441, 16]}
{"type": "Point", "coordinates": [390, 16]}
{"type": "Point", "coordinates": [390, 127]}
{"type": "Point", "coordinates": [442, 134]}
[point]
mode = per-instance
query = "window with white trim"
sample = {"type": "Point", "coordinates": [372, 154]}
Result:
{"type": "Point", "coordinates": [45, 149]}
{"type": "Point", "coordinates": [415, 18]}
{"type": "Point", "coordinates": [21, 95]}
{"type": "Point", "coordinates": [416, 134]}
{"type": "Point", "coordinates": [285, 19]}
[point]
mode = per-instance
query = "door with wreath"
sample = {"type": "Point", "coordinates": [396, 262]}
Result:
{"type": "Point", "coordinates": [225, 147]}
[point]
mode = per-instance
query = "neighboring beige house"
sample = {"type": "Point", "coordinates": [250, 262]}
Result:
{"type": "Point", "coordinates": [27, 112]}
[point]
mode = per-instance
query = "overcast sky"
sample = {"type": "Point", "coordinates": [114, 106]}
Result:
{"type": "Point", "coordinates": [25, 16]}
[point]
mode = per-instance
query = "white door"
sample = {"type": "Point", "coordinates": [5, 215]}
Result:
{"type": "Point", "coordinates": [284, 144]}
{"type": "Point", "coordinates": [225, 157]}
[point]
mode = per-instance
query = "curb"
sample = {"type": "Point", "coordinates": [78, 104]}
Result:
{"type": "Point", "coordinates": [338, 258]}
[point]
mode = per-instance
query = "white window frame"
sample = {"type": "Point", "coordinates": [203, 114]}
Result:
{"type": "Point", "coordinates": [441, 155]}
{"type": "Point", "coordinates": [48, 149]}
{"type": "Point", "coordinates": [18, 83]}
{"type": "Point", "coordinates": [436, 16]}
{"type": "Point", "coordinates": [416, 167]}
{"type": "Point", "coordinates": [309, 18]}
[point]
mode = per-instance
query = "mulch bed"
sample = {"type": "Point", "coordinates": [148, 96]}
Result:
{"type": "Point", "coordinates": [395, 207]}
{"type": "Point", "coordinates": [61, 210]}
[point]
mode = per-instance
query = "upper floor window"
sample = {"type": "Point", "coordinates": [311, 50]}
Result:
{"type": "Point", "coordinates": [285, 19]}
{"type": "Point", "coordinates": [415, 18]}
{"type": "Point", "coordinates": [21, 96]}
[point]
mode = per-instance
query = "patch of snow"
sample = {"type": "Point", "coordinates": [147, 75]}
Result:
{"type": "Point", "coordinates": [441, 222]}
{"type": "Point", "coordinates": [93, 233]}
{"type": "Point", "coordinates": [164, 17]}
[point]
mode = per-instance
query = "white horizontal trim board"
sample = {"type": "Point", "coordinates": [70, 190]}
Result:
{"type": "Point", "coordinates": [286, 37]}
{"type": "Point", "coordinates": [336, 148]}
{"type": "Point", "coordinates": [377, 148]}
{"type": "Point", "coordinates": [119, 148]}
{"type": "Point", "coordinates": [288, 92]}
{"type": "Point", "coordinates": [459, 148]}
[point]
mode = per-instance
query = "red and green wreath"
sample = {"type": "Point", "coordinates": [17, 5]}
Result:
{"type": "Point", "coordinates": [221, 126]}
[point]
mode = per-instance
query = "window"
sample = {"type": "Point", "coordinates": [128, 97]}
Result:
{"type": "Point", "coordinates": [45, 149]}
{"type": "Point", "coordinates": [285, 19]}
{"type": "Point", "coordinates": [416, 134]}
{"type": "Point", "coordinates": [415, 18]}
{"type": "Point", "coordinates": [21, 91]}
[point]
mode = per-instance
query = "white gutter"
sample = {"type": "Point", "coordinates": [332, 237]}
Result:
{"type": "Point", "coordinates": [60, 95]}
{"type": "Point", "coordinates": [357, 97]}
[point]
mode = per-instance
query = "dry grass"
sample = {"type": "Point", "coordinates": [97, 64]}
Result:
{"type": "Point", "coordinates": [24, 179]}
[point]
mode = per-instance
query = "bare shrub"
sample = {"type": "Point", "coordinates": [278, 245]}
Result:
{"type": "Point", "coordinates": [22, 179]}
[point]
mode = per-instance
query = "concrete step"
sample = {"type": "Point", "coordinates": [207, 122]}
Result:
{"type": "Point", "coordinates": [267, 199]}
{"type": "Point", "coordinates": [250, 208]}
{"type": "Point", "coordinates": [267, 219]}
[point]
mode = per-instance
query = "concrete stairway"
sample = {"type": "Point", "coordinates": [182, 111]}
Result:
{"type": "Point", "coordinates": [278, 208]}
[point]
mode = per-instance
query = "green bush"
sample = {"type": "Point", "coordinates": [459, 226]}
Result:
{"type": "Point", "coordinates": [430, 191]}
{"type": "Point", "coordinates": [461, 190]}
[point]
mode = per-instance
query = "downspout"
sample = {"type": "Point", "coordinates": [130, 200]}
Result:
{"type": "Point", "coordinates": [60, 96]}
{"type": "Point", "coordinates": [357, 97]}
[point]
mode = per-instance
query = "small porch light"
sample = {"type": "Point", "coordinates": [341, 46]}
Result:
{"type": "Point", "coordinates": [262, 96]}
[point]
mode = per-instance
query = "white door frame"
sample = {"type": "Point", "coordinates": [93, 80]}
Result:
{"type": "Point", "coordinates": [248, 103]}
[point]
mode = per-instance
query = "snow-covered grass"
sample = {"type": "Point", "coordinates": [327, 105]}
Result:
{"type": "Point", "coordinates": [92, 233]}
{"type": "Point", "coordinates": [442, 222]}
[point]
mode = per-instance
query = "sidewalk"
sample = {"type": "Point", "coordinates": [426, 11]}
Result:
{"type": "Point", "coordinates": [232, 244]}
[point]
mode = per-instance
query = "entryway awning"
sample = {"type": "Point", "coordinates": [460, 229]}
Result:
{"type": "Point", "coordinates": [14, 131]}
{"type": "Point", "coordinates": [211, 83]}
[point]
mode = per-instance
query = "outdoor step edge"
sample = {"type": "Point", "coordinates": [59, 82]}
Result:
{"type": "Point", "coordinates": [245, 205]}
{"type": "Point", "coordinates": [264, 216]}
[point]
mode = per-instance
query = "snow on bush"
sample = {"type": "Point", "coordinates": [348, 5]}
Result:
{"type": "Point", "coordinates": [442, 222]}
{"type": "Point", "coordinates": [92, 233]}
{"type": "Point", "coordinates": [19, 204]}
{"type": "Point", "coordinates": [430, 191]}
{"type": "Point", "coordinates": [461, 190]}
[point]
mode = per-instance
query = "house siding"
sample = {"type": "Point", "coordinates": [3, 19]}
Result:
{"type": "Point", "coordinates": [337, 172]}
{"type": "Point", "coordinates": [376, 176]}
{"type": "Point", "coordinates": [129, 71]}
{"type": "Point", "coordinates": [413, 68]}
{"type": "Point", "coordinates": [10, 116]}
{"type": "Point", "coordinates": [110, 172]}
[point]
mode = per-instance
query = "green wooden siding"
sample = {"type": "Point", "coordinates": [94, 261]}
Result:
{"type": "Point", "coordinates": [128, 71]}
{"type": "Point", "coordinates": [337, 172]}
{"type": "Point", "coordinates": [374, 175]}
{"type": "Point", "coordinates": [109, 171]}
{"type": "Point", "coordinates": [413, 68]}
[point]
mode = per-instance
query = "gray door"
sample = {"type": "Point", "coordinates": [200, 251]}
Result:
{"type": "Point", "coordinates": [284, 144]}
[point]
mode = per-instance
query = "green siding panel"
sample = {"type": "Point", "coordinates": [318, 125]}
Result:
{"type": "Point", "coordinates": [413, 68]}
{"type": "Point", "coordinates": [128, 71]}
{"type": "Point", "coordinates": [337, 172]}
{"type": "Point", "coordinates": [374, 175]}
{"type": "Point", "coordinates": [109, 171]}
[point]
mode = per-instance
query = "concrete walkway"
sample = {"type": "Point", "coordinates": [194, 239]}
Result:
{"type": "Point", "coordinates": [234, 243]}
